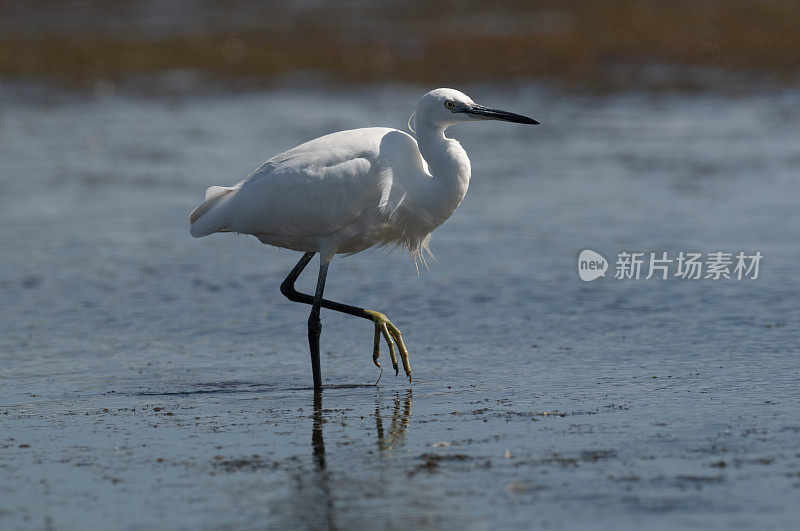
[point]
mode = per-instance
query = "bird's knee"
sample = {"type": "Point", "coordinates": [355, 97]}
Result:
{"type": "Point", "coordinates": [314, 324]}
{"type": "Point", "coordinates": [288, 291]}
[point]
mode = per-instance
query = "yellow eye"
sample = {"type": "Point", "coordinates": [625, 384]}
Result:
{"type": "Point", "coordinates": [450, 104]}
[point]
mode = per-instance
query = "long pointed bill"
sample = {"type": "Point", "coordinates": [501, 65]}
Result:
{"type": "Point", "coordinates": [480, 112]}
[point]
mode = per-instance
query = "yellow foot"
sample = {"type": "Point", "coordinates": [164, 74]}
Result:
{"type": "Point", "coordinates": [383, 326]}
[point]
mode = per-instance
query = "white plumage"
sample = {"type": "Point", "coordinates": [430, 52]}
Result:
{"type": "Point", "coordinates": [342, 192]}
{"type": "Point", "coordinates": [352, 190]}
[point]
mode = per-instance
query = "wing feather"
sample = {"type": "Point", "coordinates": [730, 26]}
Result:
{"type": "Point", "coordinates": [306, 201]}
{"type": "Point", "coordinates": [313, 189]}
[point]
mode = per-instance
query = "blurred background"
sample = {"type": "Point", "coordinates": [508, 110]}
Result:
{"type": "Point", "coordinates": [596, 44]}
{"type": "Point", "coordinates": [538, 400]}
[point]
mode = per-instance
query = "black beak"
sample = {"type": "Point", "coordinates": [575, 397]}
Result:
{"type": "Point", "coordinates": [485, 113]}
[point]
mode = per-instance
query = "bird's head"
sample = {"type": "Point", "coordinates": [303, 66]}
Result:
{"type": "Point", "coordinates": [443, 107]}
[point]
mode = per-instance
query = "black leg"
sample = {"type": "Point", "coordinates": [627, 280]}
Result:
{"type": "Point", "coordinates": [289, 291]}
{"type": "Point", "coordinates": [287, 286]}
{"type": "Point", "coordinates": [315, 325]}
{"type": "Point", "coordinates": [382, 325]}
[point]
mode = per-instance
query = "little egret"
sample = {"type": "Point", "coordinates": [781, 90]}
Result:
{"type": "Point", "coordinates": [345, 192]}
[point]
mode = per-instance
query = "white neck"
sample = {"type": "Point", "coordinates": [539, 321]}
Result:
{"type": "Point", "coordinates": [449, 165]}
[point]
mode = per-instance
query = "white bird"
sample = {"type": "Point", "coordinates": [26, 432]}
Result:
{"type": "Point", "coordinates": [345, 192]}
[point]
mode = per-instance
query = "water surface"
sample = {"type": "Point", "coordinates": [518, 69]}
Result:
{"type": "Point", "coordinates": [153, 380]}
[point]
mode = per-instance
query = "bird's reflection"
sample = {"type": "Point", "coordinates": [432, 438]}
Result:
{"type": "Point", "coordinates": [401, 416]}
{"type": "Point", "coordinates": [317, 442]}
{"type": "Point", "coordinates": [395, 437]}
{"type": "Point", "coordinates": [318, 450]}
{"type": "Point", "coordinates": [389, 439]}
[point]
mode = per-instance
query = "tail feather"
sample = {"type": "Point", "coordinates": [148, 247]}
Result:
{"type": "Point", "coordinates": [211, 216]}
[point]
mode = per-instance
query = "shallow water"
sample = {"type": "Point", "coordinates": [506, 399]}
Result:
{"type": "Point", "coordinates": [153, 380]}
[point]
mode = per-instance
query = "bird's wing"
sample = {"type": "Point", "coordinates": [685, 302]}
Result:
{"type": "Point", "coordinates": [311, 190]}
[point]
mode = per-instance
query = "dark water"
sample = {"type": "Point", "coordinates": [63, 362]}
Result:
{"type": "Point", "coordinates": [153, 380]}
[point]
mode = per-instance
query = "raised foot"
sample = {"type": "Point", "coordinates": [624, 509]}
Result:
{"type": "Point", "coordinates": [385, 328]}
